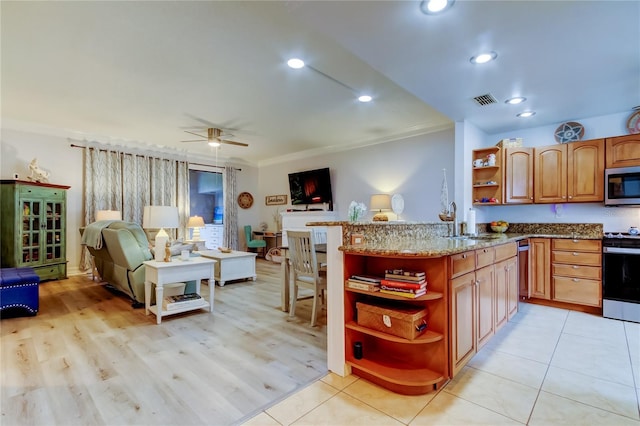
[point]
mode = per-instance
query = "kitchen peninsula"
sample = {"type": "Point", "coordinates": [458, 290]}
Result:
{"type": "Point", "coordinates": [472, 291]}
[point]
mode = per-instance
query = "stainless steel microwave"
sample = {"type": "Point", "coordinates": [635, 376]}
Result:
{"type": "Point", "coordinates": [622, 186]}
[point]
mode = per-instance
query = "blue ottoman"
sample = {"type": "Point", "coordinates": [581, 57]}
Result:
{"type": "Point", "coordinates": [18, 292]}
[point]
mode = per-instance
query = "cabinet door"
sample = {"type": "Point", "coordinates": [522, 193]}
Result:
{"type": "Point", "coordinates": [463, 311]}
{"type": "Point", "coordinates": [513, 289]}
{"type": "Point", "coordinates": [518, 175]}
{"type": "Point", "coordinates": [539, 268]}
{"type": "Point", "coordinates": [32, 224]}
{"type": "Point", "coordinates": [502, 292]}
{"type": "Point", "coordinates": [585, 171]}
{"type": "Point", "coordinates": [550, 169]}
{"type": "Point", "coordinates": [623, 151]}
{"type": "Point", "coordinates": [484, 304]}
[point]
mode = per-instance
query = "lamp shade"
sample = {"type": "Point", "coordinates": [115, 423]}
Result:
{"type": "Point", "coordinates": [108, 215]}
{"type": "Point", "coordinates": [195, 222]}
{"type": "Point", "coordinates": [380, 202]}
{"type": "Point", "coordinates": [156, 217]}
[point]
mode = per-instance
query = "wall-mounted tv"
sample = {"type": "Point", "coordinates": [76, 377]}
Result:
{"type": "Point", "coordinates": [311, 187]}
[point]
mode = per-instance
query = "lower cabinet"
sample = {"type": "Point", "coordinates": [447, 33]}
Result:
{"type": "Point", "coordinates": [402, 365]}
{"type": "Point", "coordinates": [484, 295]}
{"type": "Point", "coordinates": [539, 268]}
{"type": "Point", "coordinates": [576, 267]}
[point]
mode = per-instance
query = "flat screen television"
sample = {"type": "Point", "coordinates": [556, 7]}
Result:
{"type": "Point", "coordinates": [311, 187]}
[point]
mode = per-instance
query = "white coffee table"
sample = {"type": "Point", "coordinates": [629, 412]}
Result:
{"type": "Point", "coordinates": [236, 265]}
{"type": "Point", "coordinates": [161, 273]}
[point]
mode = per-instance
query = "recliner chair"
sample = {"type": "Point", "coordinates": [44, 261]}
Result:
{"type": "Point", "coordinates": [251, 243]}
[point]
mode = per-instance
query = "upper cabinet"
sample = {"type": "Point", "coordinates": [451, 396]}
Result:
{"type": "Point", "coordinates": [518, 178]}
{"type": "Point", "coordinates": [487, 176]}
{"type": "Point", "coordinates": [571, 172]}
{"type": "Point", "coordinates": [623, 151]}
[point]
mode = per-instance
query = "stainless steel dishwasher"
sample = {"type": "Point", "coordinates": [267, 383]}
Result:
{"type": "Point", "coordinates": [523, 269]}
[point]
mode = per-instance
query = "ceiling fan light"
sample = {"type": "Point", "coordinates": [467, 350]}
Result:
{"type": "Point", "coordinates": [295, 63]}
{"type": "Point", "coordinates": [214, 144]}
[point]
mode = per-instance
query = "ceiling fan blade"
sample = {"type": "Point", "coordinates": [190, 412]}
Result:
{"type": "Point", "coordinates": [233, 143]}
{"type": "Point", "coordinates": [196, 134]}
{"type": "Point", "coordinates": [196, 140]}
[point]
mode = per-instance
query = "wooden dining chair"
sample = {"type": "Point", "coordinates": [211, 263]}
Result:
{"type": "Point", "coordinates": [305, 271]}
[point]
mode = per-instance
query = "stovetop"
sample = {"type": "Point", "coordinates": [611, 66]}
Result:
{"type": "Point", "coordinates": [621, 235]}
{"type": "Point", "coordinates": [621, 240]}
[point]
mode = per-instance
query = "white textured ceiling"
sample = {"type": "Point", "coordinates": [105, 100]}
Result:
{"type": "Point", "coordinates": [146, 71]}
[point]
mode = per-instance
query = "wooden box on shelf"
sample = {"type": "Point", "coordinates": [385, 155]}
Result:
{"type": "Point", "coordinates": [399, 320]}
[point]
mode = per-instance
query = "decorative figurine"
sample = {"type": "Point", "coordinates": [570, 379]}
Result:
{"type": "Point", "coordinates": [36, 173]}
{"type": "Point", "coordinates": [167, 253]}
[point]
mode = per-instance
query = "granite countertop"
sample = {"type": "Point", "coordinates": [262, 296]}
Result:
{"type": "Point", "coordinates": [444, 246]}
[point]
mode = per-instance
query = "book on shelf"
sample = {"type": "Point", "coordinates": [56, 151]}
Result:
{"type": "Point", "coordinates": [406, 272]}
{"type": "Point", "coordinates": [181, 300]}
{"type": "Point", "coordinates": [366, 278]}
{"type": "Point", "coordinates": [409, 278]}
{"type": "Point", "coordinates": [409, 295]}
{"type": "Point", "coordinates": [404, 284]}
{"type": "Point", "coordinates": [404, 290]}
{"type": "Point", "coordinates": [359, 285]}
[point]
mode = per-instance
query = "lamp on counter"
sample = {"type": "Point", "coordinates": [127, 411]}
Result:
{"type": "Point", "coordinates": [380, 203]}
{"type": "Point", "coordinates": [195, 222]}
{"type": "Point", "coordinates": [108, 215]}
{"type": "Point", "coordinates": [160, 217]}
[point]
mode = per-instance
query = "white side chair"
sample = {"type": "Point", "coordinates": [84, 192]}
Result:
{"type": "Point", "coordinates": [305, 271]}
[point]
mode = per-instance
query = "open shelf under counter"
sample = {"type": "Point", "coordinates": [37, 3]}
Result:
{"type": "Point", "coordinates": [430, 295]}
{"type": "Point", "coordinates": [428, 336]}
{"type": "Point", "coordinates": [413, 381]}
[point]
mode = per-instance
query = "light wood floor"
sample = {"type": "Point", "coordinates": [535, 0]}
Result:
{"type": "Point", "coordinates": [88, 358]}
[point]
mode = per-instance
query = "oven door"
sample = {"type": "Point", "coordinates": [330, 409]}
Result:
{"type": "Point", "coordinates": [621, 283]}
{"type": "Point", "coordinates": [622, 186]}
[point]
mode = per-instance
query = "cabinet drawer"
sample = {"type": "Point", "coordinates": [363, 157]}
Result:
{"type": "Point", "coordinates": [578, 271]}
{"type": "Point", "coordinates": [48, 193]}
{"type": "Point", "coordinates": [577, 290]}
{"type": "Point", "coordinates": [462, 263]}
{"type": "Point", "coordinates": [576, 258]}
{"type": "Point", "coordinates": [505, 251]}
{"type": "Point", "coordinates": [577, 245]}
{"type": "Point", "coordinates": [484, 257]}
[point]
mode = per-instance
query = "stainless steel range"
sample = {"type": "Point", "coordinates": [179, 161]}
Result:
{"type": "Point", "coordinates": [621, 277]}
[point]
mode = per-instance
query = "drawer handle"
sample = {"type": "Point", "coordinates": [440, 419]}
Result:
{"type": "Point", "coordinates": [575, 254]}
{"type": "Point", "coordinates": [464, 256]}
{"type": "Point", "coordinates": [575, 241]}
{"type": "Point", "coordinates": [575, 280]}
{"type": "Point", "coordinates": [575, 267]}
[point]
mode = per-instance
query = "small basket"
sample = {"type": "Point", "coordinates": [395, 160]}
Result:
{"type": "Point", "coordinates": [445, 217]}
{"type": "Point", "coordinates": [499, 229]}
{"type": "Point", "coordinates": [510, 143]}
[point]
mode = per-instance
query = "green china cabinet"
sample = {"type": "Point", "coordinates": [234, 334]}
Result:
{"type": "Point", "coordinates": [33, 227]}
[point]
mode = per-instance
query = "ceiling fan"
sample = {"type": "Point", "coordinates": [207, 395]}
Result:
{"type": "Point", "coordinates": [215, 138]}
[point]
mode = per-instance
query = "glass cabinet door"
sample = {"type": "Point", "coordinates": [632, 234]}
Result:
{"type": "Point", "coordinates": [31, 227]}
{"type": "Point", "coordinates": [53, 230]}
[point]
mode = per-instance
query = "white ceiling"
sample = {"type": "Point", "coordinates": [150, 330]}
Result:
{"type": "Point", "coordinates": [143, 72]}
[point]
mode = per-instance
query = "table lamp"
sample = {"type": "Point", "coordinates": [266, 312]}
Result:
{"type": "Point", "coordinates": [108, 215]}
{"type": "Point", "coordinates": [380, 203]}
{"type": "Point", "coordinates": [195, 222]}
{"type": "Point", "coordinates": [160, 217]}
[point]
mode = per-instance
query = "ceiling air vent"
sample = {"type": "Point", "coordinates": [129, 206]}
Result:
{"type": "Point", "coordinates": [487, 99]}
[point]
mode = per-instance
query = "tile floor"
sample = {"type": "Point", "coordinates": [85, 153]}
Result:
{"type": "Point", "coordinates": [547, 366]}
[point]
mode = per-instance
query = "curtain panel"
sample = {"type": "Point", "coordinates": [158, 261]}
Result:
{"type": "Point", "coordinates": [116, 180]}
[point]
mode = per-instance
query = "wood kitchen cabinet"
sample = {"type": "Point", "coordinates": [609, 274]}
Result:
{"type": "Point", "coordinates": [623, 151]}
{"type": "Point", "coordinates": [576, 267]}
{"type": "Point", "coordinates": [518, 175]}
{"type": "Point", "coordinates": [571, 172]}
{"type": "Point", "coordinates": [539, 268]}
{"type": "Point", "coordinates": [506, 284]}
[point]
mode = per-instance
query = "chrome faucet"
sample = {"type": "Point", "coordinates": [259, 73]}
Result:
{"type": "Point", "coordinates": [452, 211]}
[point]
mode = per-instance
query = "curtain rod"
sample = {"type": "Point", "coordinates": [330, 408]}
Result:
{"type": "Point", "coordinates": [138, 155]}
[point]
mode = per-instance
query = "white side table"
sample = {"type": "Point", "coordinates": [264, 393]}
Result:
{"type": "Point", "coordinates": [236, 265]}
{"type": "Point", "coordinates": [161, 273]}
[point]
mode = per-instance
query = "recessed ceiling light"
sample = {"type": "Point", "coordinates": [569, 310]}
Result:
{"type": "Point", "coordinates": [365, 98]}
{"type": "Point", "coordinates": [515, 101]}
{"type": "Point", "coordinates": [295, 63]}
{"type": "Point", "coordinates": [526, 114]}
{"type": "Point", "coordinates": [483, 58]}
{"type": "Point", "coordinates": [432, 7]}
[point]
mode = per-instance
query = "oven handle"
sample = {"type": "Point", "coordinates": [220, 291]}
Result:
{"type": "Point", "coordinates": [620, 250]}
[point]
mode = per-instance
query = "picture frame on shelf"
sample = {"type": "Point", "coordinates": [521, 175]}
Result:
{"type": "Point", "coordinates": [275, 200]}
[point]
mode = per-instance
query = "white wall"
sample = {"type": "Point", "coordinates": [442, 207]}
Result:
{"type": "Point", "coordinates": [614, 219]}
{"type": "Point", "coordinates": [411, 167]}
{"type": "Point", "coordinates": [65, 164]}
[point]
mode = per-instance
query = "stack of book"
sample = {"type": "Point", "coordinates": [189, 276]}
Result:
{"type": "Point", "coordinates": [181, 301]}
{"type": "Point", "coordinates": [364, 282]}
{"type": "Point", "coordinates": [404, 283]}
